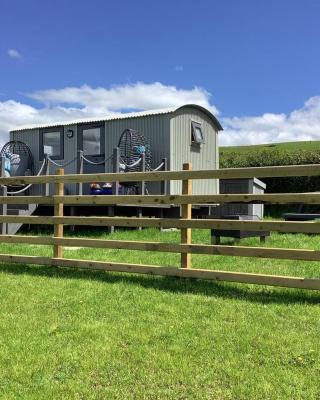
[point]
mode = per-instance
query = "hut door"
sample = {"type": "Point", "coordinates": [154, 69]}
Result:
{"type": "Point", "coordinates": [91, 142]}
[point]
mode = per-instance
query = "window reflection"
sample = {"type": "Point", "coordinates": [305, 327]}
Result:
{"type": "Point", "coordinates": [51, 143]}
{"type": "Point", "coordinates": [91, 141]}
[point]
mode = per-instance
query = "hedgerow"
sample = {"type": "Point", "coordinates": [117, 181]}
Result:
{"type": "Point", "coordinates": [272, 156]}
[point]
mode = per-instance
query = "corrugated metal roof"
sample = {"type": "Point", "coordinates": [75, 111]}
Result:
{"type": "Point", "coordinates": [98, 119]}
{"type": "Point", "coordinates": [119, 116]}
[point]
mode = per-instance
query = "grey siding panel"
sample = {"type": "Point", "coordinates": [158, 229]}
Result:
{"type": "Point", "coordinates": [156, 130]}
{"type": "Point", "coordinates": [258, 209]}
{"type": "Point", "coordinates": [31, 138]}
{"type": "Point", "coordinates": [70, 153]}
{"type": "Point", "coordinates": [182, 151]}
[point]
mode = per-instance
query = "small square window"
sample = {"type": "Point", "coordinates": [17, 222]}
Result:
{"type": "Point", "coordinates": [51, 143]}
{"type": "Point", "coordinates": [196, 133]}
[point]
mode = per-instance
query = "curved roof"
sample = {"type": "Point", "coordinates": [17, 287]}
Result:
{"type": "Point", "coordinates": [204, 110]}
{"type": "Point", "coordinates": [117, 116]}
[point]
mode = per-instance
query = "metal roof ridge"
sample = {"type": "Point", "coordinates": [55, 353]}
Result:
{"type": "Point", "coordinates": [109, 117]}
{"type": "Point", "coordinates": [118, 116]}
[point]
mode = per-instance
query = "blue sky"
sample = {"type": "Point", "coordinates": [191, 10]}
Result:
{"type": "Point", "coordinates": [255, 63]}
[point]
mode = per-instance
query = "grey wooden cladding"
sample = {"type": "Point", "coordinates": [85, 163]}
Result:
{"type": "Point", "coordinates": [201, 156]}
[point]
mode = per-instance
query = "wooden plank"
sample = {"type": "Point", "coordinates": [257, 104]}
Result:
{"type": "Point", "coordinates": [286, 198]}
{"type": "Point", "coordinates": [27, 200]}
{"type": "Point", "coordinates": [185, 233]}
{"type": "Point", "coordinates": [242, 251]}
{"type": "Point", "coordinates": [240, 277]}
{"type": "Point", "coordinates": [26, 239]}
{"type": "Point", "coordinates": [58, 212]}
{"type": "Point", "coordinates": [275, 226]}
{"type": "Point", "coordinates": [3, 206]}
{"type": "Point", "coordinates": [3, 193]}
{"type": "Point", "coordinates": [224, 173]}
{"type": "Point", "coordinates": [23, 259]}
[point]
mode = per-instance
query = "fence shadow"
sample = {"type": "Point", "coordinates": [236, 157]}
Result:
{"type": "Point", "coordinates": [227, 290]}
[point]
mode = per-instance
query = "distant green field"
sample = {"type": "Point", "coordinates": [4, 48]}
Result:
{"type": "Point", "coordinates": [286, 146]}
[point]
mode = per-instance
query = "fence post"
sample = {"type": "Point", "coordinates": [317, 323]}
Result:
{"type": "Point", "coordinates": [143, 168]}
{"type": "Point", "coordinates": [115, 185]}
{"type": "Point", "coordinates": [47, 172]}
{"type": "Point", "coordinates": [80, 163]}
{"type": "Point", "coordinates": [58, 212]}
{"type": "Point", "coordinates": [3, 192]}
{"type": "Point", "coordinates": [115, 169]}
{"type": "Point", "coordinates": [142, 185]}
{"type": "Point", "coordinates": [186, 214]}
{"type": "Point", "coordinates": [164, 184]}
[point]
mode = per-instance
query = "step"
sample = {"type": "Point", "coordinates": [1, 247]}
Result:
{"type": "Point", "coordinates": [13, 228]}
{"type": "Point", "coordinates": [18, 206]}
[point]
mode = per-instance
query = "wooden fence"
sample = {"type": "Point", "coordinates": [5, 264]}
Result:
{"type": "Point", "coordinates": [185, 223]}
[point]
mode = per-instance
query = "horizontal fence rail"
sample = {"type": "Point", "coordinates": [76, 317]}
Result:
{"type": "Point", "coordinates": [185, 248]}
{"type": "Point", "coordinates": [269, 198]}
{"type": "Point", "coordinates": [240, 277]}
{"type": "Point", "coordinates": [151, 176]}
{"type": "Point", "coordinates": [242, 251]}
{"type": "Point", "coordinates": [131, 222]}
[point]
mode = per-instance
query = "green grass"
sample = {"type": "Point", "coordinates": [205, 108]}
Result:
{"type": "Point", "coordinates": [285, 146]}
{"type": "Point", "coordinates": [72, 334]}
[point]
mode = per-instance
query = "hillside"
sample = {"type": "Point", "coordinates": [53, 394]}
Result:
{"type": "Point", "coordinates": [281, 147]}
{"type": "Point", "coordinates": [289, 153]}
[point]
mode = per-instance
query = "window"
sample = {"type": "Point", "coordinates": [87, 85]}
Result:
{"type": "Point", "coordinates": [91, 141]}
{"type": "Point", "coordinates": [51, 143]}
{"type": "Point", "coordinates": [196, 133]}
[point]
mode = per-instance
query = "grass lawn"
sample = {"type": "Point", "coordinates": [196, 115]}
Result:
{"type": "Point", "coordinates": [72, 334]}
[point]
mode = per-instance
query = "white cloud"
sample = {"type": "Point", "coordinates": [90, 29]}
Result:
{"type": "Point", "coordinates": [13, 114]}
{"type": "Point", "coordinates": [84, 102]}
{"type": "Point", "coordinates": [300, 124]}
{"type": "Point", "coordinates": [138, 96]}
{"type": "Point", "coordinates": [13, 53]}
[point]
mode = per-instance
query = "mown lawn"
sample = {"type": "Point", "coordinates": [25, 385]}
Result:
{"type": "Point", "coordinates": [72, 334]}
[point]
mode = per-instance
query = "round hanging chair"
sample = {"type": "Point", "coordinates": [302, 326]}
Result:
{"type": "Point", "coordinates": [132, 144]}
{"type": "Point", "coordinates": [18, 160]}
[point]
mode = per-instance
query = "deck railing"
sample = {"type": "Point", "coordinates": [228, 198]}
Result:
{"type": "Point", "coordinates": [186, 248]}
